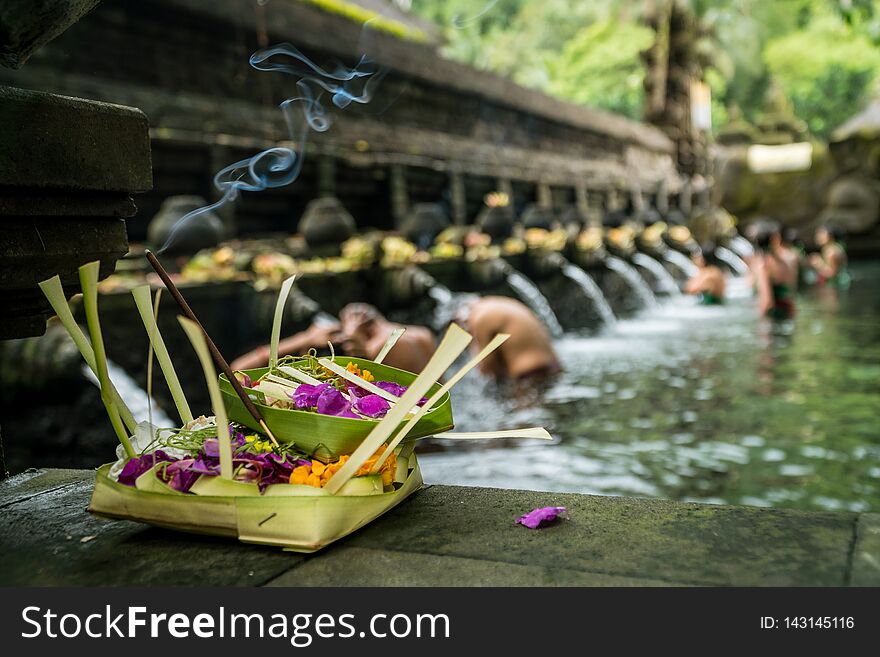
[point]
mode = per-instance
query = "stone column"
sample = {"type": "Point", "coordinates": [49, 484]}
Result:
{"type": "Point", "coordinates": [581, 197]}
{"type": "Point", "coordinates": [458, 198]}
{"type": "Point", "coordinates": [505, 186]}
{"type": "Point", "coordinates": [685, 199]}
{"type": "Point", "coordinates": [399, 193]}
{"type": "Point", "coordinates": [326, 176]}
{"type": "Point", "coordinates": [637, 199]}
{"type": "Point", "coordinates": [662, 198]}
{"type": "Point", "coordinates": [544, 195]}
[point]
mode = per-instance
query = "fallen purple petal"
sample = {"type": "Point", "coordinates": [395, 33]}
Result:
{"type": "Point", "coordinates": [541, 516]}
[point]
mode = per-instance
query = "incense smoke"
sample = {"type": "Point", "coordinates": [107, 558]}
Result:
{"type": "Point", "coordinates": [459, 22]}
{"type": "Point", "coordinates": [280, 166]}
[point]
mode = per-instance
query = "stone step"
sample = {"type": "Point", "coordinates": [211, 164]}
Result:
{"type": "Point", "coordinates": [447, 535]}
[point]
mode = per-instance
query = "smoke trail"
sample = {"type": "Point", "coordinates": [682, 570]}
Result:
{"type": "Point", "coordinates": [280, 166]}
{"type": "Point", "coordinates": [459, 22]}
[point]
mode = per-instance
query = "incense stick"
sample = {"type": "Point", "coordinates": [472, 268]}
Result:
{"type": "Point", "coordinates": [215, 353]}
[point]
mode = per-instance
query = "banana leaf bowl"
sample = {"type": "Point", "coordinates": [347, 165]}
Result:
{"type": "Point", "coordinates": [327, 436]}
{"type": "Point", "coordinates": [296, 522]}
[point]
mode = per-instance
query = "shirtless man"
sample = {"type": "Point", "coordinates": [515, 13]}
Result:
{"type": "Point", "coordinates": [709, 283]}
{"type": "Point", "coordinates": [528, 352]}
{"type": "Point", "coordinates": [365, 331]}
{"type": "Point", "coordinates": [830, 263]}
{"type": "Point", "coordinates": [315, 337]}
{"type": "Point", "coordinates": [776, 273]}
{"type": "Point", "coordinates": [362, 333]}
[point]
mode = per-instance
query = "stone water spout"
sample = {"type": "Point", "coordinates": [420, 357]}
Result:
{"type": "Point", "coordinates": [633, 278]}
{"type": "Point", "coordinates": [529, 293]}
{"type": "Point", "coordinates": [681, 262]}
{"type": "Point", "coordinates": [737, 264]}
{"type": "Point", "coordinates": [586, 284]}
{"type": "Point", "coordinates": [665, 282]}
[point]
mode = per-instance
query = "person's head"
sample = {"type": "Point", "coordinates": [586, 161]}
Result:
{"type": "Point", "coordinates": [360, 319]}
{"type": "Point", "coordinates": [790, 237]}
{"type": "Point", "coordinates": [705, 256]}
{"type": "Point", "coordinates": [766, 235]}
{"type": "Point", "coordinates": [459, 311]}
{"type": "Point", "coordinates": [827, 235]}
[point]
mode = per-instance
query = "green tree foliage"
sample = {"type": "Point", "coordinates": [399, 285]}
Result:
{"type": "Point", "coordinates": [826, 70]}
{"type": "Point", "coordinates": [823, 54]}
{"type": "Point", "coordinates": [600, 66]}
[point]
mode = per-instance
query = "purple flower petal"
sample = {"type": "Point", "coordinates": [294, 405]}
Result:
{"type": "Point", "coordinates": [137, 466]}
{"type": "Point", "coordinates": [179, 475]}
{"type": "Point", "coordinates": [372, 406]}
{"type": "Point", "coordinates": [394, 388]}
{"type": "Point", "coordinates": [333, 402]}
{"type": "Point", "coordinates": [306, 395]}
{"type": "Point", "coordinates": [540, 517]}
{"type": "Point", "coordinates": [397, 390]}
{"type": "Point", "coordinates": [356, 391]}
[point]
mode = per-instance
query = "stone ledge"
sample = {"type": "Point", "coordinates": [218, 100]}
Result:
{"type": "Point", "coordinates": [446, 535]}
{"type": "Point", "coordinates": [866, 551]}
{"type": "Point", "coordinates": [60, 142]}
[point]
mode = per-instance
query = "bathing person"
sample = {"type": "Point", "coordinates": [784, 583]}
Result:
{"type": "Point", "coordinates": [527, 353]}
{"type": "Point", "coordinates": [776, 273]}
{"type": "Point", "coordinates": [709, 282]}
{"type": "Point", "coordinates": [315, 337]}
{"type": "Point", "coordinates": [362, 333]}
{"type": "Point", "coordinates": [830, 263]}
{"type": "Point", "coordinates": [365, 331]}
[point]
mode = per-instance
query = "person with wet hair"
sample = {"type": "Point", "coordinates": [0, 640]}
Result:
{"type": "Point", "coordinates": [710, 281]}
{"type": "Point", "coordinates": [528, 353]}
{"type": "Point", "coordinates": [831, 261]}
{"type": "Point", "coordinates": [775, 270]}
{"type": "Point", "coordinates": [365, 331]}
{"type": "Point", "coordinates": [792, 242]}
{"type": "Point", "coordinates": [361, 332]}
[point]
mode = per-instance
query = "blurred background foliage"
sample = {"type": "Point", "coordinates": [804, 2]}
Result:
{"type": "Point", "coordinates": [823, 56]}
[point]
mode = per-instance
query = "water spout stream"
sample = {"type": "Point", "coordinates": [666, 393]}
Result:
{"type": "Point", "coordinates": [583, 280]}
{"type": "Point", "coordinates": [531, 295]}
{"type": "Point", "coordinates": [736, 263]}
{"type": "Point", "coordinates": [680, 260]}
{"type": "Point", "coordinates": [664, 278]}
{"type": "Point", "coordinates": [633, 278]}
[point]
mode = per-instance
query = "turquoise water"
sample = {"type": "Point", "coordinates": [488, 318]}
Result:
{"type": "Point", "coordinates": [687, 402]}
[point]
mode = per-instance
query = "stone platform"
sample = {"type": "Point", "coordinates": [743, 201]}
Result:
{"type": "Point", "coordinates": [446, 536]}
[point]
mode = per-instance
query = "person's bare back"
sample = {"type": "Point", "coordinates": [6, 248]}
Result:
{"type": "Point", "coordinates": [527, 352]}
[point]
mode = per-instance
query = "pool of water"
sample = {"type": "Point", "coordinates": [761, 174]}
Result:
{"type": "Point", "coordinates": [688, 402]}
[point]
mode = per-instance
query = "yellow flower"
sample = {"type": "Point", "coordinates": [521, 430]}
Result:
{"type": "Point", "coordinates": [300, 474]}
